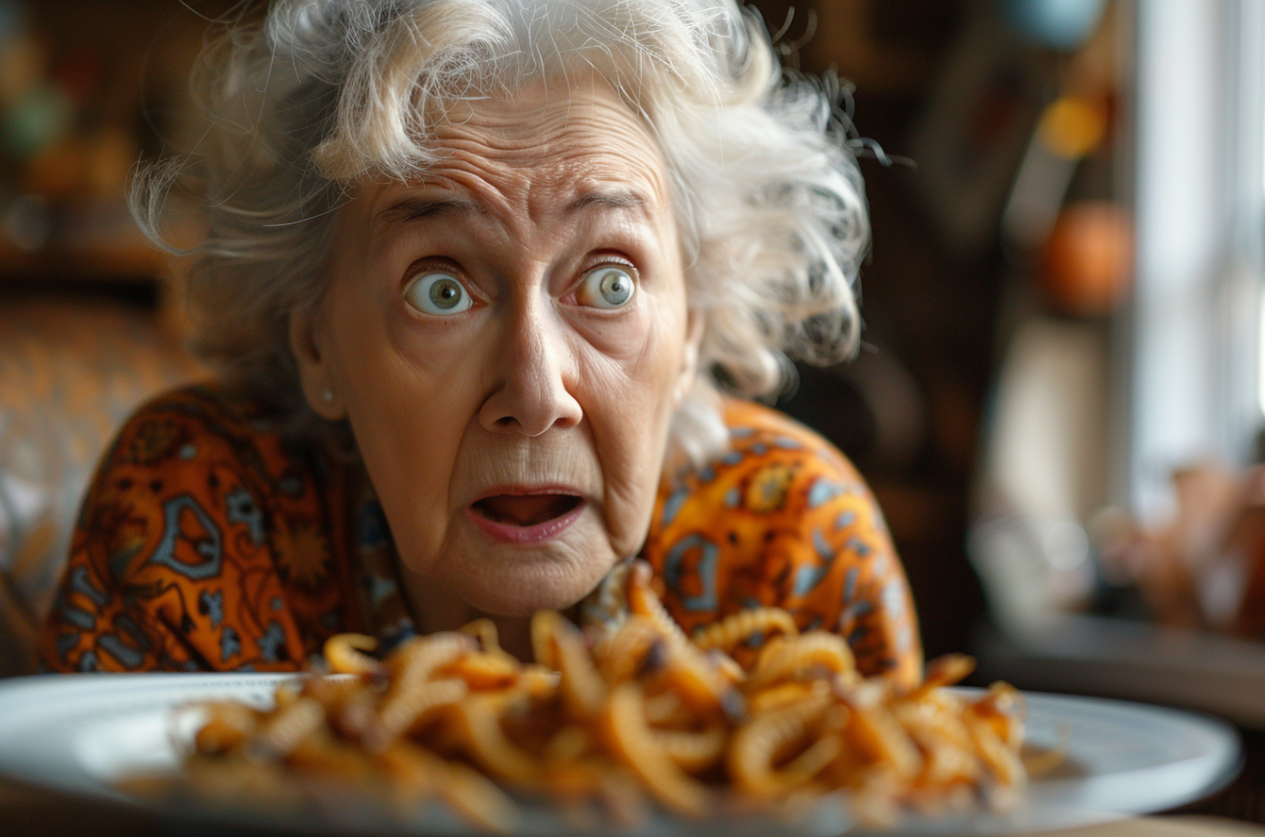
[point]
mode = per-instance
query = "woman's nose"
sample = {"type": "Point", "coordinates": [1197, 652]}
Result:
{"type": "Point", "coordinates": [534, 372]}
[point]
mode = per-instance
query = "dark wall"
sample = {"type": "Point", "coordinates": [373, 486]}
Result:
{"type": "Point", "coordinates": [908, 410]}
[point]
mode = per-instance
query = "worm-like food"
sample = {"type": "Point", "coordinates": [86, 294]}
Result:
{"type": "Point", "coordinates": [760, 742]}
{"type": "Point", "coordinates": [486, 742]}
{"type": "Point", "coordinates": [698, 680]}
{"type": "Point", "coordinates": [616, 723]}
{"type": "Point", "coordinates": [944, 740]}
{"type": "Point", "coordinates": [284, 731]}
{"type": "Point", "coordinates": [415, 660]}
{"type": "Point", "coordinates": [943, 671]}
{"type": "Point", "coordinates": [642, 601]}
{"type": "Point", "coordinates": [484, 670]}
{"type": "Point", "coordinates": [693, 751]}
{"type": "Point", "coordinates": [637, 644]}
{"type": "Point", "coordinates": [1002, 707]}
{"type": "Point", "coordinates": [740, 627]}
{"type": "Point", "coordinates": [801, 655]}
{"type": "Point", "coordinates": [878, 738]}
{"type": "Point", "coordinates": [583, 689]}
{"type": "Point", "coordinates": [785, 694]}
{"type": "Point", "coordinates": [406, 711]}
{"type": "Point", "coordinates": [484, 630]}
{"type": "Point", "coordinates": [1001, 760]}
{"type": "Point", "coordinates": [343, 654]}
{"type": "Point", "coordinates": [542, 638]}
{"type": "Point", "coordinates": [227, 725]}
{"type": "Point", "coordinates": [624, 728]}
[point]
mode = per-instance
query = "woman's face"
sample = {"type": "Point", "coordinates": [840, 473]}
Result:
{"type": "Point", "coordinates": [509, 338]}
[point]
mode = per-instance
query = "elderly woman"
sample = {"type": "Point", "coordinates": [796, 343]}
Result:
{"type": "Point", "coordinates": [476, 275]}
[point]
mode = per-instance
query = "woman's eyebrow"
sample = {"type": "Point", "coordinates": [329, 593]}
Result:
{"type": "Point", "coordinates": [613, 199]}
{"type": "Point", "coordinates": [421, 208]}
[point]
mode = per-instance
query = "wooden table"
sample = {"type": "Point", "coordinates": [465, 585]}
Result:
{"type": "Point", "coordinates": [26, 812]}
{"type": "Point", "coordinates": [1167, 827]}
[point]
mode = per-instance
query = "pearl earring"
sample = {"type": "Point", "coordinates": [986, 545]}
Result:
{"type": "Point", "coordinates": [328, 395]}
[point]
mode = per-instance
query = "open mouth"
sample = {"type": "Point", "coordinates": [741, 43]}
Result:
{"type": "Point", "coordinates": [526, 510]}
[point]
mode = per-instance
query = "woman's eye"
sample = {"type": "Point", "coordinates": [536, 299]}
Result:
{"type": "Point", "coordinates": [607, 286]}
{"type": "Point", "coordinates": [438, 293]}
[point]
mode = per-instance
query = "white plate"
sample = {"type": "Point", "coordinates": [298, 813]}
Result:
{"type": "Point", "coordinates": [79, 734]}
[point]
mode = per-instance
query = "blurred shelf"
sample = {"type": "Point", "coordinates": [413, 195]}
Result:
{"type": "Point", "coordinates": [75, 240]}
{"type": "Point", "coordinates": [105, 265]}
{"type": "Point", "coordinates": [1094, 655]}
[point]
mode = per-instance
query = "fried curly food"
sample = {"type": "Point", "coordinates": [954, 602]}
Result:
{"type": "Point", "coordinates": [617, 723]}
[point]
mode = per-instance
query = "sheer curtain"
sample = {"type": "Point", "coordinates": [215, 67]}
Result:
{"type": "Point", "coordinates": [1192, 343]}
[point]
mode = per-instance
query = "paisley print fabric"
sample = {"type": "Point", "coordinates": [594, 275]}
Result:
{"type": "Point", "coordinates": [783, 519]}
{"type": "Point", "coordinates": [206, 542]}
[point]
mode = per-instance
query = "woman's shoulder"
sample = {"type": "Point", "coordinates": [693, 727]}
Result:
{"type": "Point", "coordinates": [184, 428]}
{"type": "Point", "coordinates": [781, 518]}
{"type": "Point", "coordinates": [207, 406]}
{"type": "Point", "coordinates": [774, 474]}
{"type": "Point", "coordinates": [755, 429]}
{"type": "Point", "coordinates": [205, 541]}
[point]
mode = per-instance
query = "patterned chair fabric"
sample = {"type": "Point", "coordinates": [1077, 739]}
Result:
{"type": "Point", "coordinates": [71, 370]}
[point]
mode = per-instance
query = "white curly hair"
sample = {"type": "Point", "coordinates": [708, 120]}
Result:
{"type": "Point", "coordinates": [317, 95]}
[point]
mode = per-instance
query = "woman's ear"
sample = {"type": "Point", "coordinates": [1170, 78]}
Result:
{"type": "Point", "coordinates": [689, 358]}
{"type": "Point", "coordinates": [315, 374]}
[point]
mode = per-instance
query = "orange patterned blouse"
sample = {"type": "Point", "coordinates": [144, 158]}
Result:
{"type": "Point", "coordinates": [207, 542]}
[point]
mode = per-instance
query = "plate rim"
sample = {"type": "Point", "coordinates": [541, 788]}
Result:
{"type": "Point", "coordinates": [55, 691]}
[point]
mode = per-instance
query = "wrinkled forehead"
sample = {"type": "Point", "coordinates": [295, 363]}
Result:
{"type": "Point", "coordinates": [556, 153]}
{"type": "Point", "coordinates": [579, 130]}
{"type": "Point", "coordinates": [551, 149]}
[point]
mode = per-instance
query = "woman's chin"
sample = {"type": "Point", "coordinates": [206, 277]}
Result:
{"type": "Point", "coordinates": [520, 590]}
{"type": "Point", "coordinates": [506, 578]}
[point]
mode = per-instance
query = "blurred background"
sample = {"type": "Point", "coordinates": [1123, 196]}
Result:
{"type": "Point", "coordinates": [1060, 399]}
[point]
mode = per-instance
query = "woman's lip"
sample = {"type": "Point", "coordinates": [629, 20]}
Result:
{"type": "Point", "coordinates": [508, 533]}
{"type": "Point", "coordinates": [528, 491]}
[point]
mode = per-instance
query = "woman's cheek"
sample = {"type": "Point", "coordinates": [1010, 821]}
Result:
{"type": "Point", "coordinates": [412, 471]}
{"type": "Point", "coordinates": [618, 335]}
{"type": "Point", "coordinates": [419, 342]}
{"type": "Point", "coordinates": [630, 502]}
{"type": "Point", "coordinates": [420, 378]}
{"type": "Point", "coordinates": [630, 428]}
